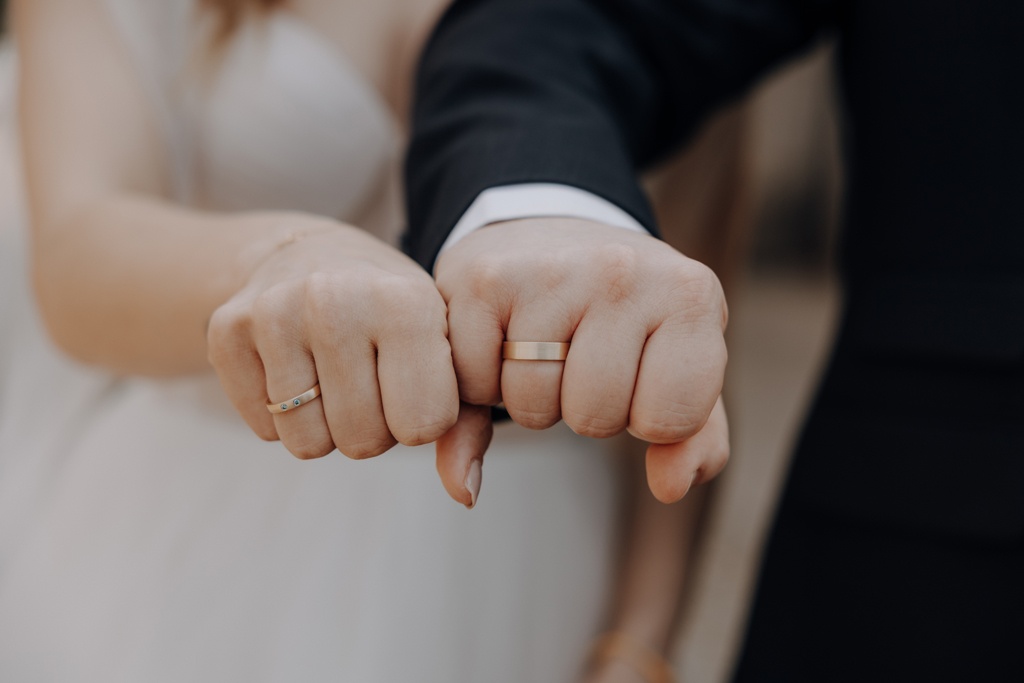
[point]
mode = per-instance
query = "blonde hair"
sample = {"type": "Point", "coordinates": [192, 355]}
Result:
{"type": "Point", "coordinates": [229, 13]}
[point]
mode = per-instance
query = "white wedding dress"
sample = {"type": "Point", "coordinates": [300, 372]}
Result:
{"type": "Point", "coordinates": [147, 535]}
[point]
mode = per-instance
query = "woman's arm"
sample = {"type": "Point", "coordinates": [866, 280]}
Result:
{"type": "Point", "coordinates": [277, 302]}
{"type": "Point", "coordinates": [125, 279]}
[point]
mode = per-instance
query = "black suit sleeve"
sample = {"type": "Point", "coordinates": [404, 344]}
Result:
{"type": "Point", "coordinates": [578, 92]}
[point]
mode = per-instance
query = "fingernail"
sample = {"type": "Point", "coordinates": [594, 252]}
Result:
{"type": "Point", "coordinates": [473, 482]}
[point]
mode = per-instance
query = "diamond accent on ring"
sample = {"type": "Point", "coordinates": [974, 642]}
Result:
{"type": "Point", "coordinates": [295, 401]}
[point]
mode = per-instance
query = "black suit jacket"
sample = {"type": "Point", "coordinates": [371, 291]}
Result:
{"type": "Point", "coordinates": [919, 422]}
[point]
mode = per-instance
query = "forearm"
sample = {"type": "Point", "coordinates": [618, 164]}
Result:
{"type": "Point", "coordinates": [129, 283]}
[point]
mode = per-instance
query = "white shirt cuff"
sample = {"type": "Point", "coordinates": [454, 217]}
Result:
{"type": "Point", "coordinates": [537, 200]}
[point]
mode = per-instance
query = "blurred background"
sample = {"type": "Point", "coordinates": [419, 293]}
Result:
{"type": "Point", "coordinates": [783, 158]}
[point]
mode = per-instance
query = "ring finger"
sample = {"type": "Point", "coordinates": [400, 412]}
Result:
{"type": "Point", "coordinates": [291, 371]}
{"type": "Point", "coordinates": [352, 398]}
{"type": "Point", "coordinates": [600, 374]}
{"type": "Point", "coordinates": [531, 389]}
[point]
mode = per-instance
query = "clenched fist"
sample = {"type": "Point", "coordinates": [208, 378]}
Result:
{"type": "Point", "coordinates": [340, 308]}
{"type": "Point", "coordinates": [647, 353]}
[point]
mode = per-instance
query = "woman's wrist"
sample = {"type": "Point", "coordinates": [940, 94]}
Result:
{"type": "Point", "coordinates": [274, 234]}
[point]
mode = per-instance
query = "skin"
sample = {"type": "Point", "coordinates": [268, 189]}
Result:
{"type": "Point", "coordinates": [254, 300]}
{"type": "Point", "coordinates": [652, 319]}
{"type": "Point", "coordinates": [264, 290]}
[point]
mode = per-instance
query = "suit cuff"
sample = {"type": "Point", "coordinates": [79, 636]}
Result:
{"type": "Point", "coordinates": [537, 200]}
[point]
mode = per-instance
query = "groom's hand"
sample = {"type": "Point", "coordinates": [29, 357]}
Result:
{"type": "Point", "coordinates": [647, 352]}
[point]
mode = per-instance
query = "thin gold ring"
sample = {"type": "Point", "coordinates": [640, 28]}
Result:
{"type": "Point", "coordinates": [293, 403]}
{"type": "Point", "coordinates": [532, 350]}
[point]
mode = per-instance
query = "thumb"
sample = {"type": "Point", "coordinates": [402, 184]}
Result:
{"type": "Point", "coordinates": [460, 453]}
{"type": "Point", "coordinates": [673, 468]}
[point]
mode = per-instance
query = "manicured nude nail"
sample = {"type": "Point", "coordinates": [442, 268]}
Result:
{"type": "Point", "coordinates": [473, 482]}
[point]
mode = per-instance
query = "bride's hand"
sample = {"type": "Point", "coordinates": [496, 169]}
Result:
{"type": "Point", "coordinates": [338, 307]}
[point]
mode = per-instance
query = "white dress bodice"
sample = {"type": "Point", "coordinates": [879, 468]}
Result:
{"type": "Point", "coordinates": [147, 535]}
{"type": "Point", "coordinates": [276, 119]}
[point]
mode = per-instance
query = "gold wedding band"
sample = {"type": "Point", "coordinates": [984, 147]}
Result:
{"type": "Point", "coordinates": [529, 350]}
{"type": "Point", "coordinates": [293, 403]}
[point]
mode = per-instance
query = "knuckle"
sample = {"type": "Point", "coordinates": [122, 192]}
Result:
{"type": "Point", "coordinates": [551, 272]}
{"type": "Point", "coordinates": [367, 446]}
{"type": "Point", "coordinates": [533, 418]}
{"type": "Point", "coordinates": [476, 385]}
{"type": "Point", "coordinates": [333, 301]}
{"type": "Point", "coordinates": [486, 275]}
{"type": "Point", "coordinates": [668, 423]}
{"type": "Point", "coordinates": [271, 302]}
{"type": "Point", "coordinates": [372, 299]}
{"type": "Point", "coordinates": [616, 265]}
{"type": "Point", "coordinates": [321, 295]}
{"type": "Point", "coordinates": [273, 310]}
{"type": "Point", "coordinates": [402, 302]}
{"type": "Point", "coordinates": [309, 449]}
{"type": "Point", "coordinates": [697, 288]}
{"type": "Point", "coordinates": [390, 290]}
{"type": "Point", "coordinates": [229, 329]}
{"type": "Point", "coordinates": [428, 431]}
{"type": "Point", "coordinates": [593, 424]}
{"type": "Point", "coordinates": [481, 393]}
{"type": "Point", "coordinates": [701, 275]}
